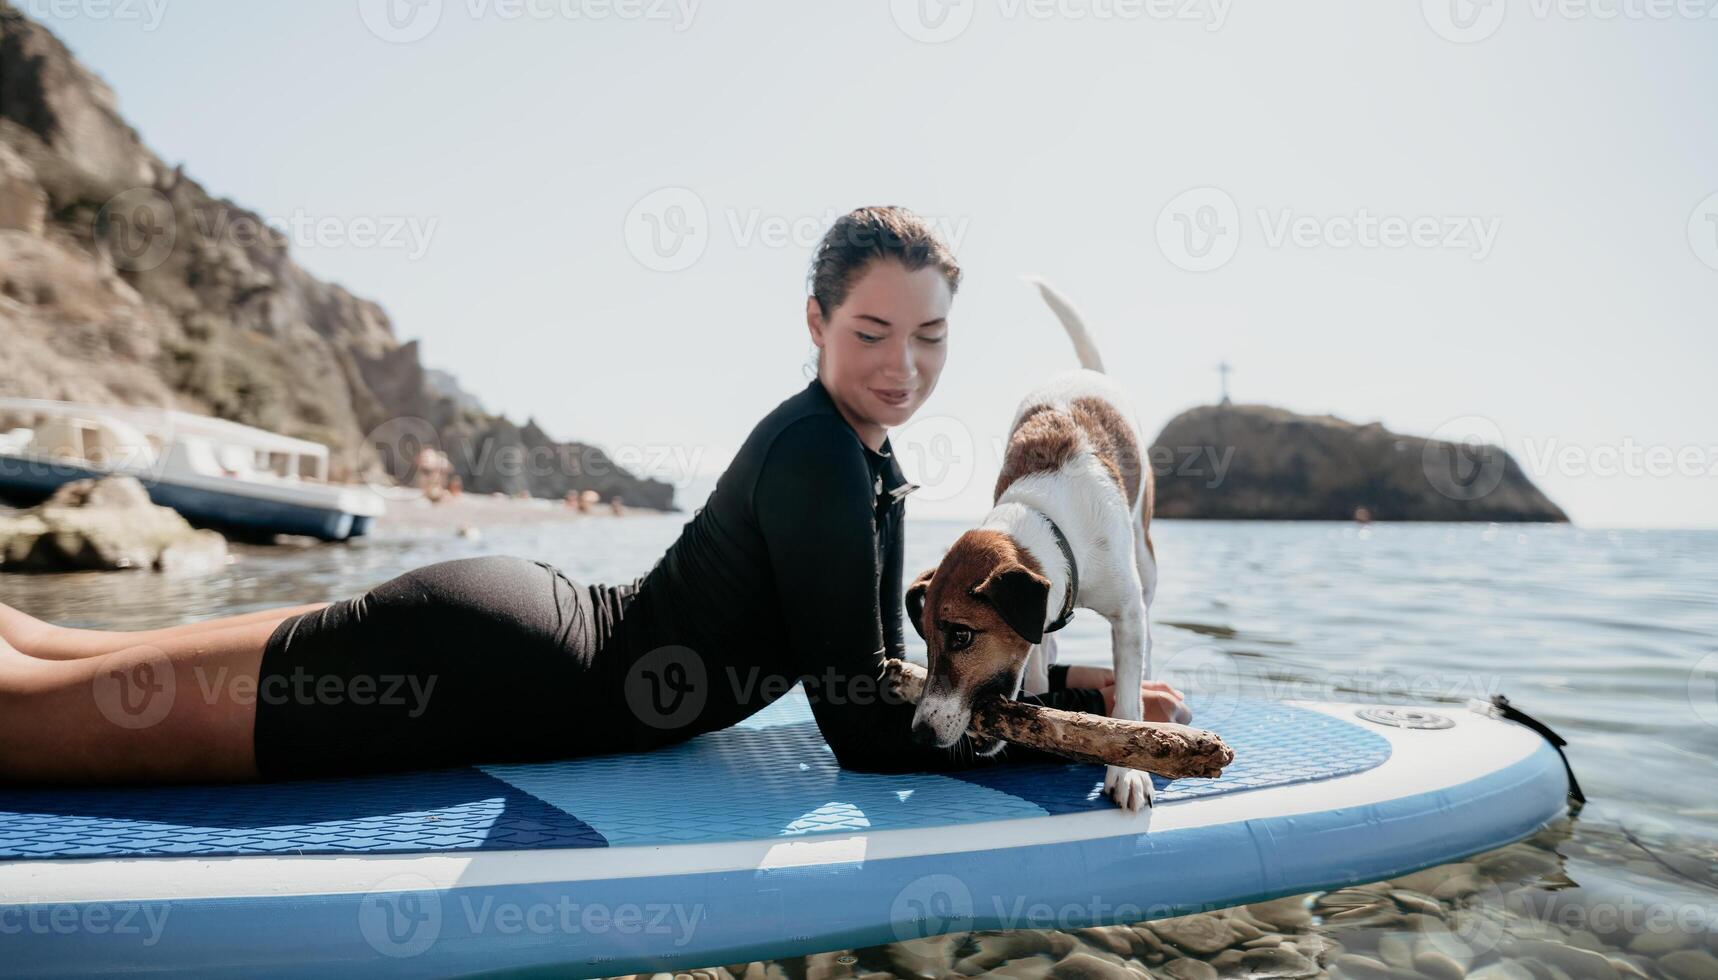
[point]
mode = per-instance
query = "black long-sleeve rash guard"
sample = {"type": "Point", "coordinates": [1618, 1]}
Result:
{"type": "Point", "coordinates": [792, 571]}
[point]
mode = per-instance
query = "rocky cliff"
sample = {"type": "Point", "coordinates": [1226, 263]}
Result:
{"type": "Point", "coordinates": [122, 280]}
{"type": "Point", "coordinates": [1264, 463]}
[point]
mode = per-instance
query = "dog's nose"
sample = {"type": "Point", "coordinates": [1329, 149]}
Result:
{"type": "Point", "coordinates": [924, 734]}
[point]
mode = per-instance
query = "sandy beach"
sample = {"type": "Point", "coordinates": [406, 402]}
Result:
{"type": "Point", "coordinates": [451, 513]}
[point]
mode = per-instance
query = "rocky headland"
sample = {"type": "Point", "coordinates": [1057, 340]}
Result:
{"type": "Point", "coordinates": [1256, 462]}
{"type": "Point", "coordinates": [122, 281]}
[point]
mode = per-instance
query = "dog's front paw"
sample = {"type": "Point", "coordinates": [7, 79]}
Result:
{"type": "Point", "coordinates": [1129, 788]}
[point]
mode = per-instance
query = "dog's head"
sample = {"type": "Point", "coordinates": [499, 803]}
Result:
{"type": "Point", "coordinates": [979, 611]}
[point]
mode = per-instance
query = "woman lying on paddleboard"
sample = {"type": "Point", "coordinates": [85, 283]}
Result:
{"type": "Point", "coordinates": [790, 573]}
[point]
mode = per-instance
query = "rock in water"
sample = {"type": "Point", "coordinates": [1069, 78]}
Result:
{"type": "Point", "coordinates": [105, 524]}
{"type": "Point", "coordinates": [1255, 462]}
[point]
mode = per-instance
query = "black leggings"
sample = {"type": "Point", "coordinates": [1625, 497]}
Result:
{"type": "Point", "coordinates": [491, 659]}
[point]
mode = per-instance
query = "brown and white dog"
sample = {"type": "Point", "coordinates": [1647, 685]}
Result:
{"type": "Point", "coordinates": [1071, 526]}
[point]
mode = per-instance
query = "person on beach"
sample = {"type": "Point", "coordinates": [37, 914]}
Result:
{"type": "Point", "coordinates": [791, 572]}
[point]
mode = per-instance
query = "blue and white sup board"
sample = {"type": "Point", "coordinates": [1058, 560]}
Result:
{"type": "Point", "coordinates": [739, 845]}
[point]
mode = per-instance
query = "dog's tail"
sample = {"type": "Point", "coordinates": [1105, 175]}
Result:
{"type": "Point", "coordinates": [1072, 323]}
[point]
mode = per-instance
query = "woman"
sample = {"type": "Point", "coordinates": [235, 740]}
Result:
{"type": "Point", "coordinates": [790, 572]}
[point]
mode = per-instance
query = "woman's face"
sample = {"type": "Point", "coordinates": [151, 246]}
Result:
{"type": "Point", "coordinates": [884, 346]}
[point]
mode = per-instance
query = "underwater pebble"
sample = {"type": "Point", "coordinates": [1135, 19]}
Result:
{"type": "Point", "coordinates": [1228, 961]}
{"type": "Point", "coordinates": [1185, 969]}
{"type": "Point", "coordinates": [1517, 863]}
{"type": "Point", "coordinates": [1445, 944]}
{"type": "Point", "coordinates": [927, 957]}
{"type": "Point", "coordinates": [1283, 914]}
{"type": "Point", "coordinates": [1200, 935]}
{"type": "Point", "coordinates": [1085, 966]}
{"type": "Point", "coordinates": [1659, 943]}
{"type": "Point", "coordinates": [1396, 950]}
{"type": "Point", "coordinates": [1361, 967]}
{"type": "Point", "coordinates": [1423, 924]}
{"type": "Point", "coordinates": [1279, 961]}
{"type": "Point", "coordinates": [1427, 882]}
{"type": "Point", "coordinates": [1627, 968]}
{"type": "Point", "coordinates": [1689, 964]}
{"type": "Point", "coordinates": [1576, 963]}
{"type": "Point", "coordinates": [1114, 939]}
{"type": "Point", "coordinates": [1264, 942]}
{"type": "Point", "coordinates": [1348, 898]}
{"type": "Point", "coordinates": [1439, 966]}
{"type": "Point", "coordinates": [1148, 946]}
{"type": "Point", "coordinates": [995, 949]}
{"type": "Point", "coordinates": [1502, 970]}
{"type": "Point", "coordinates": [1415, 902]}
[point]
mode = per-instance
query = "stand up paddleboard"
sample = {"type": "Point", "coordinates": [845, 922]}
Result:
{"type": "Point", "coordinates": [744, 844]}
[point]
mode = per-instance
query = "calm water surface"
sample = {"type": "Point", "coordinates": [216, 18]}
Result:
{"type": "Point", "coordinates": [1610, 637]}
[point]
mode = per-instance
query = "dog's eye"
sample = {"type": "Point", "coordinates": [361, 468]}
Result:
{"type": "Point", "coordinates": [959, 638]}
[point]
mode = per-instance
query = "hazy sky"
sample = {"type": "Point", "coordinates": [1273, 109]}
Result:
{"type": "Point", "coordinates": [1442, 216]}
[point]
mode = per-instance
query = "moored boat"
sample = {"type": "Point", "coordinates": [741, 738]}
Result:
{"type": "Point", "coordinates": [213, 471]}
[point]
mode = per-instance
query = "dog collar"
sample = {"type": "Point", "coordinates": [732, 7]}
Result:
{"type": "Point", "coordinates": [1073, 579]}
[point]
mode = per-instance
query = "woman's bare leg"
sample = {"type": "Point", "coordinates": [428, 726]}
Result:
{"type": "Point", "coordinates": [35, 638]}
{"type": "Point", "coordinates": [182, 709]}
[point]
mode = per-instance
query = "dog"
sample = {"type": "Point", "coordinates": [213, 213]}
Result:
{"type": "Point", "coordinates": [1070, 528]}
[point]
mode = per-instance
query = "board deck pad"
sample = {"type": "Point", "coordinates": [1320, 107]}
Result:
{"type": "Point", "coordinates": [770, 776]}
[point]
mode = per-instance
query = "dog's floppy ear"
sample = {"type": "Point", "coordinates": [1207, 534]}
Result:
{"type": "Point", "coordinates": [1021, 596]}
{"type": "Point", "coordinates": [916, 600]}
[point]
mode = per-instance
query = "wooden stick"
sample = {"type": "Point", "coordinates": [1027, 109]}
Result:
{"type": "Point", "coordinates": [1175, 751]}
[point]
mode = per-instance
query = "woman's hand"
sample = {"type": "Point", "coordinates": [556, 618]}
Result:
{"type": "Point", "coordinates": [1161, 701]}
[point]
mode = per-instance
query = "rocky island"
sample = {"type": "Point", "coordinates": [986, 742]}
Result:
{"type": "Point", "coordinates": [1256, 462]}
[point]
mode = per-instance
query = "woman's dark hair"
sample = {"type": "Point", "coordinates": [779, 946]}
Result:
{"type": "Point", "coordinates": [864, 235]}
